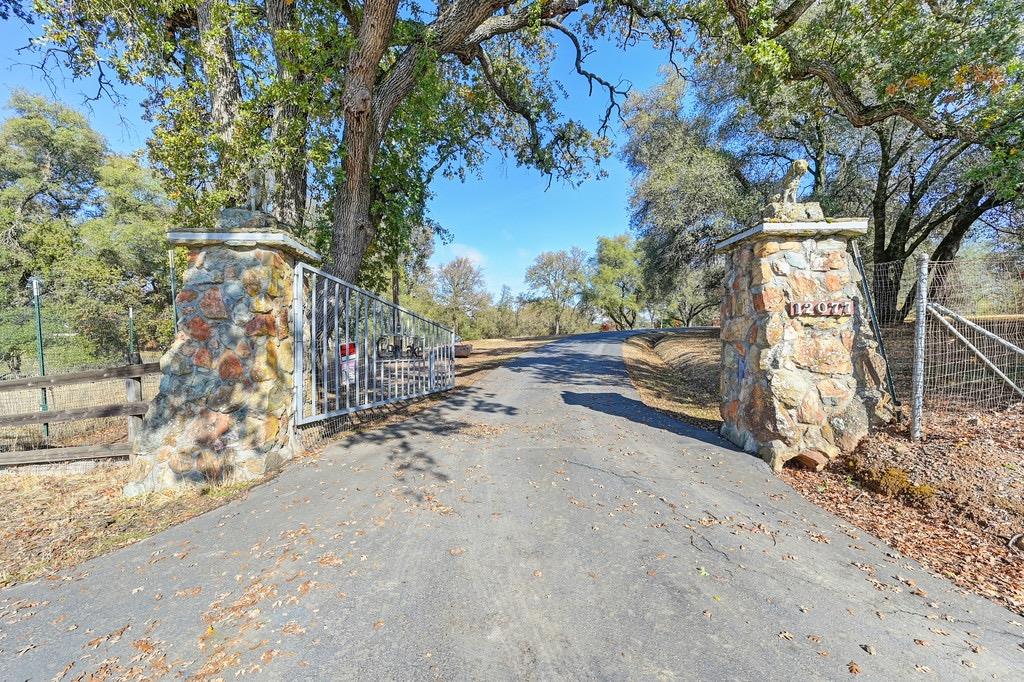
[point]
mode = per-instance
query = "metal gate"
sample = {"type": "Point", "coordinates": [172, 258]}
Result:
{"type": "Point", "coordinates": [354, 350]}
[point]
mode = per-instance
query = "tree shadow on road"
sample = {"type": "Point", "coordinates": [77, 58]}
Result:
{"type": "Point", "coordinates": [618, 405]}
{"type": "Point", "coordinates": [555, 364]}
{"type": "Point", "coordinates": [408, 443]}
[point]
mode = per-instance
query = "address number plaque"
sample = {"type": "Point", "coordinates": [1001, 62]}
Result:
{"type": "Point", "coordinates": [820, 308]}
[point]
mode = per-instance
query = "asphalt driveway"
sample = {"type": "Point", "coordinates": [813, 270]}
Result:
{"type": "Point", "coordinates": [543, 524]}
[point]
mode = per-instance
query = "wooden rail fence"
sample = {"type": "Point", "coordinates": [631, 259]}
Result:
{"type": "Point", "coordinates": [133, 408]}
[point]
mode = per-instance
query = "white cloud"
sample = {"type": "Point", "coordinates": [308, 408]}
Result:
{"type": "Point", "coordinates": [466, 251]}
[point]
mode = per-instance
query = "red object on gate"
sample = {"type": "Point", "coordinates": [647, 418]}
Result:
{"type": "Point", "coordinates": [347, 349]}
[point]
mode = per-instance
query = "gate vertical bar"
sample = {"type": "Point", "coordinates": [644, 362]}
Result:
{"type": "Point", "coordinates": [360, 350]}
{"type": "Point", "coordinates": [324, 367]}
{"type": "Point", "coordinates": [314, 398]}
{"type": "Point", "coordinates": [348, 348]}
{"type": "Point", "coordinates": [337, 348]}
{"type": "Point", "coordinates": [368, 343]}
{"type": "Point", "coordinates": [920, 329]}
{"type": "Point", "coordinates": [298, 313]}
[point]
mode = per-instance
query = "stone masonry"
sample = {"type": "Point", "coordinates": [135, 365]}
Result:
{"type": "Point", "coordinates": [224, 411]}
{"type": "Point", "coordinates": [802, 377]}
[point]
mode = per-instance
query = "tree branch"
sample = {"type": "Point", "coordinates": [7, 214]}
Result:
{"type": "Point", "coordinates": [613, 91]}
{"type": "Point", "coordinates": [789, 16]}
{"type": "Point", "coordinates": [513, 21]}
{"type": "Point", "coordinates": [862, 115]}
{"type": "Point", "coordinates": [510, 102]}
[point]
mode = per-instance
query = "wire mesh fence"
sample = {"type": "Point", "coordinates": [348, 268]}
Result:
{"type": "Point", "coordinates": [972, 331]}
{"type": "Point", "coordinates": [892, 291]}
{"type": "Point", "coordinates": [42, 334]}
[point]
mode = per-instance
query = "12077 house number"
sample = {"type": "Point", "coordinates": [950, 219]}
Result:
{"type": "Point", "coordinates": [820, 308]}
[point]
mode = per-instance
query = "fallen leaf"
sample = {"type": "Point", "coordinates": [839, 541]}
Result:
{"type": "Point", "coordinates": [143, 645]}
{"type": "Point", "coordinates": [377, 625]}
{"type": "Point", "coordinates": [293, 628]}
{"type": "Point", "coordinates": [456, 551]}
{"type": "Point", "coordinates": [854, 668]}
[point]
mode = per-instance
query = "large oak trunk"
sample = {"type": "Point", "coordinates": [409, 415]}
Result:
{"type": "Point", "coordinates": [289, 123]}
{"type": "Point", "coordinates": [352, 231]}
{"type": "Point", "coordinates": [353, 224]}
{"type": "Point", "coordinates": [217, 47]}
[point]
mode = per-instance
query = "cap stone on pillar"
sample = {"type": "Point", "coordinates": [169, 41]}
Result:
{"type": "Point", "coordinates": [799, 359]}
{"type": "Point", "coordinates": [211, 421]}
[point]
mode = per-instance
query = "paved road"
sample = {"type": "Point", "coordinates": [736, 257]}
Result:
{"type": "Point", "coordinates": [544, 524]}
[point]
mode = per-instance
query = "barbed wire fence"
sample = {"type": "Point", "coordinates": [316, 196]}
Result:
{"type": "Point", "coordinates": [954, 332]}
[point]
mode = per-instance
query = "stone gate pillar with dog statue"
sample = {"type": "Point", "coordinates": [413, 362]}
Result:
{"type": "Point", "coordinates": [226, 403]}
{"type": "Point", "coordinates": [802, 376]}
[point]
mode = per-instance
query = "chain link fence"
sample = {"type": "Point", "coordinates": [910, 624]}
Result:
{"type": "Point", "coordinates": [969, 326]}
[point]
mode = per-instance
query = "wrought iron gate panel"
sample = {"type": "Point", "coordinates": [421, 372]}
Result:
{"type": "Point", "coordinates": [354, 350]}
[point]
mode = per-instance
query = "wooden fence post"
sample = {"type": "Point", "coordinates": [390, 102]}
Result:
{"type": "Point", "coordinates": [133, 389]}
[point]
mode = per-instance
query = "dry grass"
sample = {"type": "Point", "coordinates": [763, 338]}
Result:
{"type": "Point", "coordinates": [51, 522]}
{"type": "Point", "coordinates": [677, 373]}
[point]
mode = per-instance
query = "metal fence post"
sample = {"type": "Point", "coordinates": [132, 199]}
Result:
{"type": "Point", "coordinates": [36, 285]}
{"type": "Point", "coordinates": [174, 293]}
{"type": "Point", "coordinates": [920, 320]}
{"type": "Point", "coordinates": [134, 358]}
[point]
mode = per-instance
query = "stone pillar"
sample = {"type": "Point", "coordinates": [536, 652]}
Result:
{"type": "Point", "coordinates": [225, 408]}
{"type": "Point", "coordinates": [801, 374]}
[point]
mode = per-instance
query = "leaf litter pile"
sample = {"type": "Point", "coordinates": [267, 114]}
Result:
{"type": "Point", "coordinates": [954, 501]}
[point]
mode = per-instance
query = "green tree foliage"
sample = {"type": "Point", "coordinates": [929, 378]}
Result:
{"type": "Point", "coordinates": [505, 315]}
{"type": "Point", "coordinates": [687, 192]}
{"type": "Point", "coordinates": [91, 224]}
{"type": "Point", "coordinates": [615, 285]}
{"type": "Point", "coordinates": [558, 279]}
{"type": "Point", "coordinates": [337, 114]}
{"type": "Point", "coordinates": [461, 296]}
{"type": "Point", "coordinates": [48, 174]}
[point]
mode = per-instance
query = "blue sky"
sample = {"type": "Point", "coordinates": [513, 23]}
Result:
{"type": "Point", "coordinates": [502, 219]}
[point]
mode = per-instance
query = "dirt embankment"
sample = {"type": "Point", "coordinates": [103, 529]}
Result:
{"type": "Point", "coordinates": [677, 373]}
{"type": "Point", "coordinates": [954, 501]}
